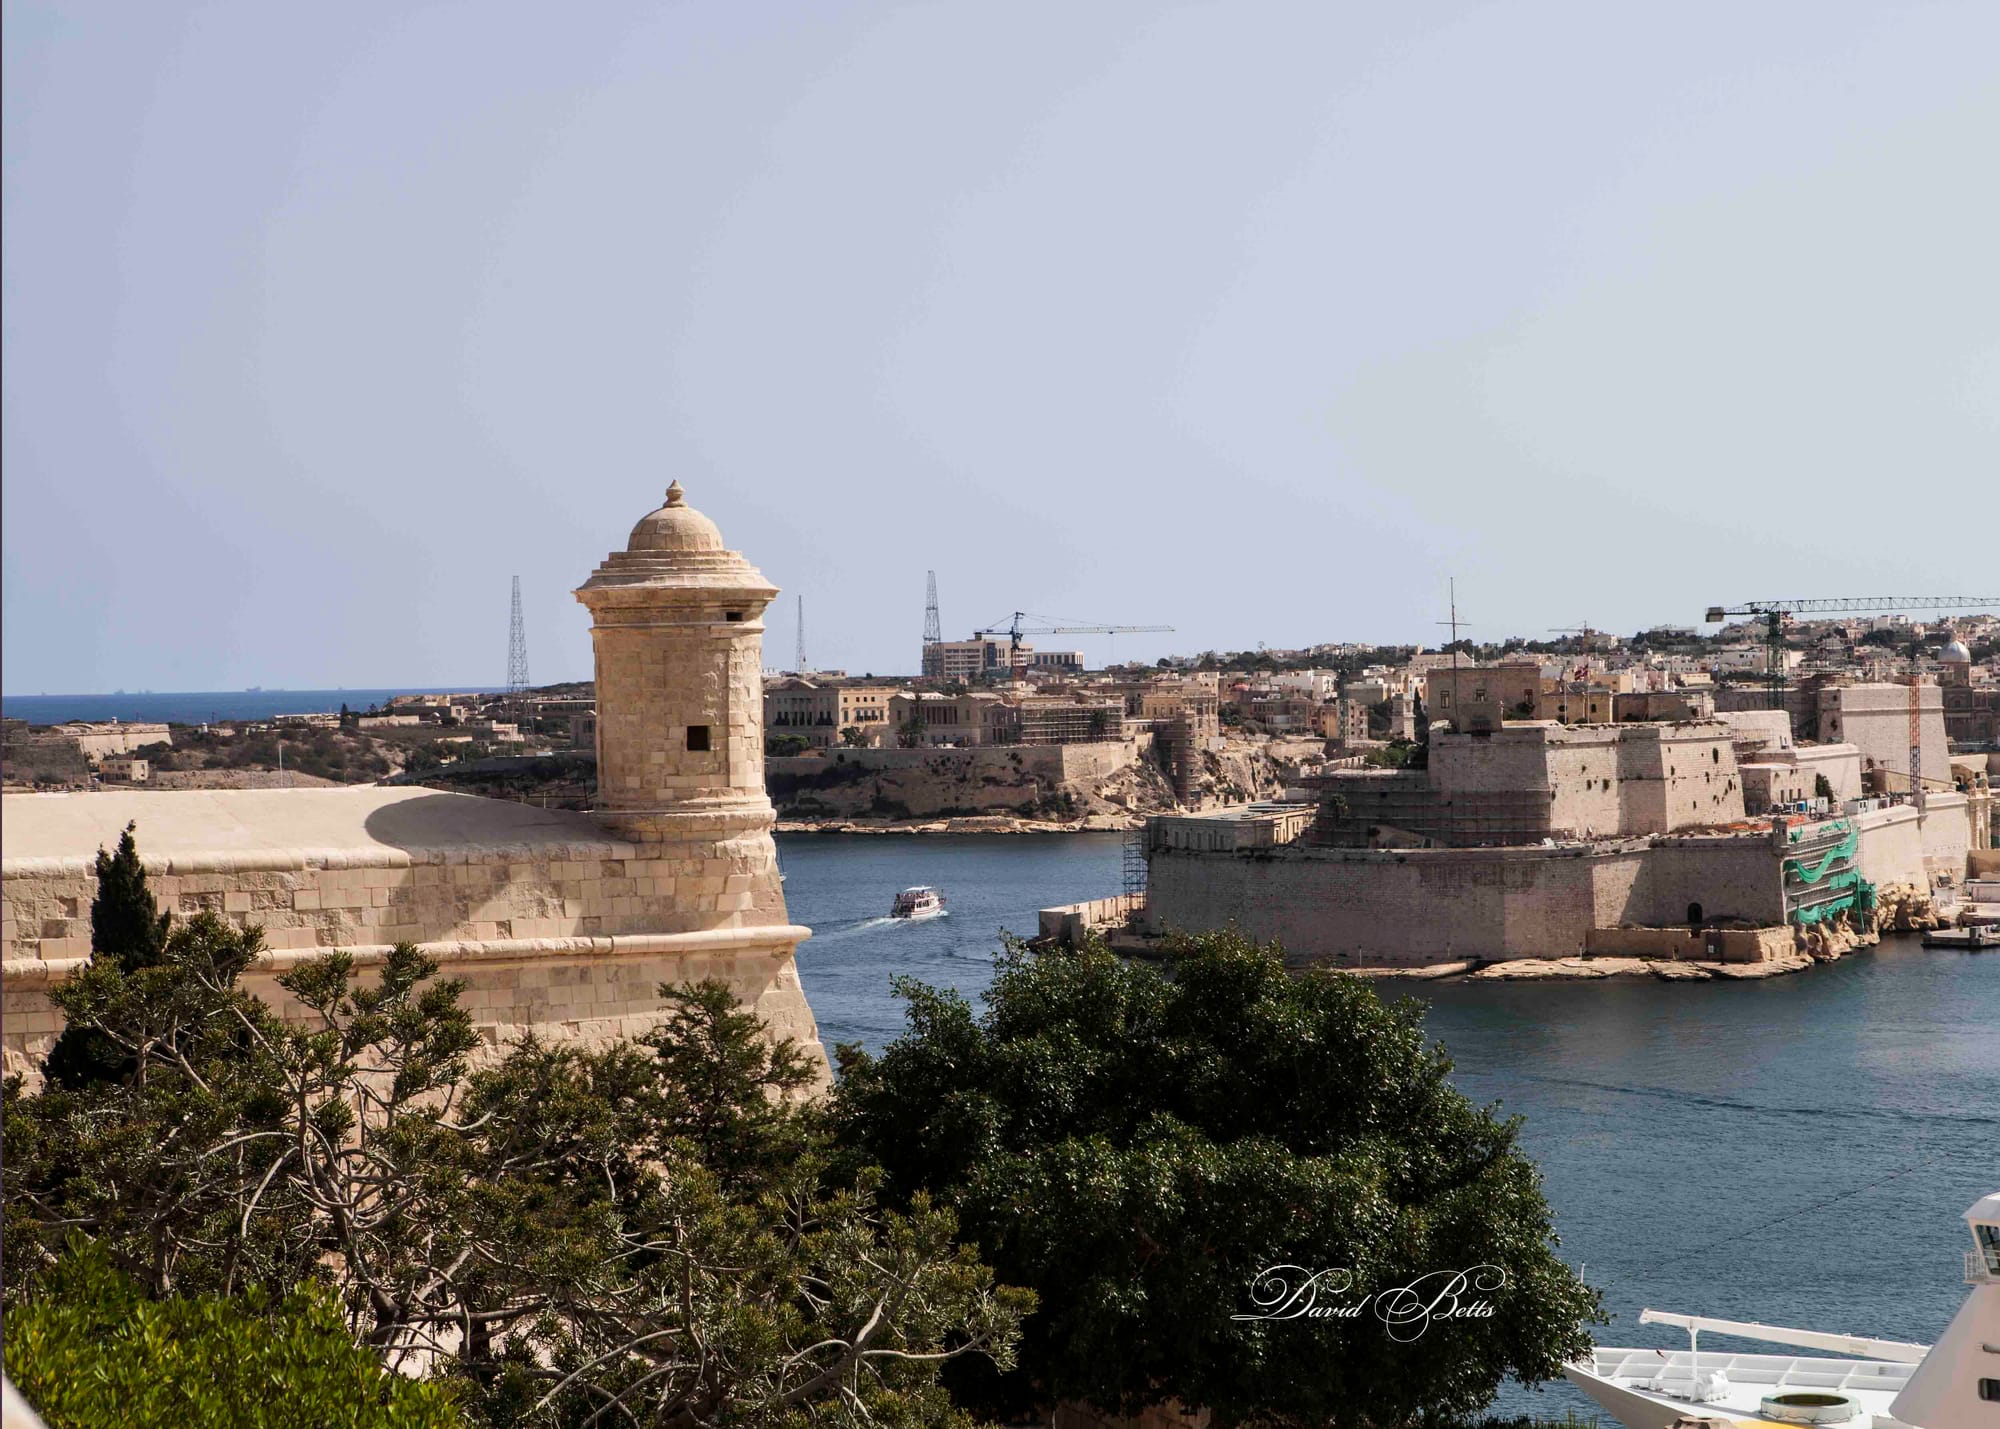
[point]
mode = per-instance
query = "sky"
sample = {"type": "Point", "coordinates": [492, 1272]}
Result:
{"type": "Point", "coordinates": [1260, 321]}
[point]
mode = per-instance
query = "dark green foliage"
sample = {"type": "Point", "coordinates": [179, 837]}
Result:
{"type": "Point", "coordinates": [1136, 1143]}
{"type": "Point", "coordinates": [652, 1224]}
{"type": "Point", "coordinates": [125, 919]}
{"type": "Point", "coordinates": [1822, 787]}
{"type": "Point", "coordinates": [1397, 754]}
{"type": "Point", "coordinates": [90, 1351]}
{"type": "Point", "coordinates": [128, 930]}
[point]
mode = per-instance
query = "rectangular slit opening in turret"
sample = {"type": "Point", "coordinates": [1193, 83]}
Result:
{"type": "Point", "coordinates": [698, 739]}
{"type": "Point", "coordinates": [733, 615]}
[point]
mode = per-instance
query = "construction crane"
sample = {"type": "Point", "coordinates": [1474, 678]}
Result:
{"type": "Point", "coordinates": [1775, 613]}
{"type": "Point", "coordinates": [1014, 630]}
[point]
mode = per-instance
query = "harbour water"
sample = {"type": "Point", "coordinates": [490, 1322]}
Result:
{"type": "Point", "coordinates": [1796, 1150]}
{"type": "Point", "coordinates": [201, 706]}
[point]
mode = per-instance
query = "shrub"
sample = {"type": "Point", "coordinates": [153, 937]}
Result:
{"type": "Point", "coordinates": [90, 1351]}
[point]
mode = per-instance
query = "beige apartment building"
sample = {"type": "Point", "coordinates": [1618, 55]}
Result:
{"type": "Point", "coordinates": [970, 660]}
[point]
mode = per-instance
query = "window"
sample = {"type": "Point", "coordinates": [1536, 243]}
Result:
{"type": "Point", "coordinates": [734, 615]}
{"type": "Point", "coordinates": [1987, 1238]}
{"type": "Point", "coordinates": [1989, 1390]}
{"type": "Point", "coordinates": [697, 739]}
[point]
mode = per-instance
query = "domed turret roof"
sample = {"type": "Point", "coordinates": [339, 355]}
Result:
{"type": "Point", "coordinates": [675, 549]}
{"type": "Point", "coordinates": [676, 526]}
{"type": "Point", "coordinates": [1956, 653]}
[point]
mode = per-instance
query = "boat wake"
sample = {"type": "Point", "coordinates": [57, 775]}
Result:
{"type": "Point", "coordinates": [843, 930]}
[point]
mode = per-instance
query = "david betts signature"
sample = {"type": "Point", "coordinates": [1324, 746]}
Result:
{"type": "Point", "coordinates": [1292, 1292]}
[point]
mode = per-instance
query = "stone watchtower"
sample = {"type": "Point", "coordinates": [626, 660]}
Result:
{"type": "Point", "coordinates": [676, 619]}
{"type": "Point", "coordinates": [677, 623]}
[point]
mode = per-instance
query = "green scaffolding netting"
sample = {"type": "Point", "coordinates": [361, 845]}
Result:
{"type": "Point", "coordinates": [1820, 912]}
{"type": "Point", "coordinates": [1840, 852]}
{"type": "Point", "coordinates": [1861, 895]}
{"type": "Point", "coordinates": [1842, 827]}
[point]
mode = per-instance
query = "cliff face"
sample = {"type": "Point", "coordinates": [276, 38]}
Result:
{"type": "Point", "coordinates": [1111, 782]}
{"type": "Point", "coordinates": [1115, 779]}
{"type": "Point", "coordinates": [1026, 781]}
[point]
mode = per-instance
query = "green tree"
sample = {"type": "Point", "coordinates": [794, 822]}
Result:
{"type": "Point", "coordinates": [1141, 1144]}
{"type": "Point", "coordinates": [854, 737]}
{"type": "Point", "coordinates": [784, 746]}
{"type": "Point", "coordinates": [128, 930]}
{"type": "Point", "coordinates": [89, 1351]}
{"type": "Point", "coordinates": [126, 923]}
{"type": "Point", "coordinates": [1822, 787]}
{"type": "Point", "coordinates": [653, 1224]}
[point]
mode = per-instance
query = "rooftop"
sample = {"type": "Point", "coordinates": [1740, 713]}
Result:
{"type": "Point", "coordinates": [243, 824]}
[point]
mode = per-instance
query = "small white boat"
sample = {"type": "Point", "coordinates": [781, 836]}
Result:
{"type": "Point", "coordinates": [922, 901]}
{"type": "Point", "coordinates": [1864, 1384]}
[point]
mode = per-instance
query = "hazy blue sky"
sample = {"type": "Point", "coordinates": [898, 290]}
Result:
{"type": "Point", "coordinates": [1255, 320]}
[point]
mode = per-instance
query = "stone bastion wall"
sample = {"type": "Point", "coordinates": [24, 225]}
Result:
{"type": "Point", "coordinates": [1414, 907]}
{"type": "Point", "coordinates": [569, 939]}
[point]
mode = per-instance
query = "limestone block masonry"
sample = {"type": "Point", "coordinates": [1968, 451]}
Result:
{"type": "Point", "coordinates": [558, 922]}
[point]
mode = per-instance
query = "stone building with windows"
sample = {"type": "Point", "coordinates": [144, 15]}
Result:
{"type": "Point", "coordinates": [821, 711]}
{"type": "Point", "coordinates": [560, 923]}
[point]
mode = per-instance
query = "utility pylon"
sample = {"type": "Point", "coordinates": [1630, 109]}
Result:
{"type": "Point", "coordinates": [517, 656]}
{"type": "Point", "coordinates": [933, 658]}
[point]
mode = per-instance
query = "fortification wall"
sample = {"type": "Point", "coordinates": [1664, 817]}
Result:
{"type": "Point", "coordinates": [1600, 781]}
{"type": "Point", "coordinates": [1890, 848]}
{"type": "Point", "coordinates": [1840, 763]}
{"type": "Point", "coordinates": [1367, 908]}
{"type": "Point", "coordinates": [1946, 832]}
{"type": "Point", "coordinates": [1677, 776]}
{"type": "Point", "coordinates": [571, 938]}
{"type": "Point", "coordinates": [1713, 879]}
{"type": "Point", "coordinates": [1385, 908]}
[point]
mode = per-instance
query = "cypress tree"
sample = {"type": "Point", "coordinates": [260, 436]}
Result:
{"type": "Point", "coordinates": [128, 928]}
{"type": "Point", "coordinates": [125, 919]}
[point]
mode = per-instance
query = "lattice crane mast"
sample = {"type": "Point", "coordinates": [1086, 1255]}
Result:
{"type": "Point", "coordinates": [1014, 630]}
{"type": "Point", "coordinates": [1776, 612]}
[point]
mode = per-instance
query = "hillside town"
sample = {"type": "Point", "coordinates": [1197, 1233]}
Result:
{"type": "Point", "coordinates": [1186, 734]}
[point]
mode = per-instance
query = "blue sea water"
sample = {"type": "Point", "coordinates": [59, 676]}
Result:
{"type": "Point", "coordinates": [199, 706]}
{"type": "Point", "coordinates": [1796, 1151]}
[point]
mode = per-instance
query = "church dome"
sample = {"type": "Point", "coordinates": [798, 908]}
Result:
{"type": "Point", "coordinates": [675, 527]}
{"type": "Point", "coordinates": [1956, 653]}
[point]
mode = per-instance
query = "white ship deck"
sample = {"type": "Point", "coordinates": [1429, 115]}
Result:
{"type": "Point", "coordinates": [1651, 1388]}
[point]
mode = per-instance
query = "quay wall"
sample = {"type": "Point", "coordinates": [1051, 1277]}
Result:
{"type": "Point", "coordinates": [1066, 925]}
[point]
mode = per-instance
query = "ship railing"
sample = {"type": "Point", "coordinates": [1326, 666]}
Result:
{"type": "Point", "coordinates": [1978, 1269]}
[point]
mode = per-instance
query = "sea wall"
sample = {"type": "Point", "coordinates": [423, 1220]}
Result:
{"type": "Point", "coordinates": [1890, 848]}
{"type": "Point", "coordinates": [1065, 926]}
{"type": "Point", "coordinates": [1418, 907]}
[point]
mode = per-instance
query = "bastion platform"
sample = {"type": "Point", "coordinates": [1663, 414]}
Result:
{"type": "Point", "coordinates": [553, 924]}
{"type": "Point", "coordinates": [562, 923]}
